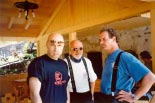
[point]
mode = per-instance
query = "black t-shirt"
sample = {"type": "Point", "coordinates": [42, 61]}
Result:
{"type": "Point", "coordinates": [53, 75]}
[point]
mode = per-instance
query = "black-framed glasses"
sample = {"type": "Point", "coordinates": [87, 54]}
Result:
{"type": "Point", "coordinates": [56, 42]}
{"type": "Point", "coordinates": [76, 49]}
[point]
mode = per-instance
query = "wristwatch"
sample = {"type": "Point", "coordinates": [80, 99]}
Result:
{"type": "Point", "coordinates": [134, 97]}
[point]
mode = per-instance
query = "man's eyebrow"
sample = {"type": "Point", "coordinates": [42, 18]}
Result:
{"type": "Point", "coordinates": [59, 42]}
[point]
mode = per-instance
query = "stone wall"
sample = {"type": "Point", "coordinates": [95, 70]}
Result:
{"type": "Point", "coordinates": [138, 39]}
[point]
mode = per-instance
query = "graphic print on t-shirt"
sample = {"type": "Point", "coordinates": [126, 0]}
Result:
{"type": "Point", "coordinates": [58, 78]}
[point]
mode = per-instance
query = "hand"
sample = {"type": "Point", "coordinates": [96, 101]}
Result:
{"type": "Point", "coordinates": [68, 101]}
{"type": "Point", "coordinates": [93, 97]}
{"type": "Point", "coordinates": [124, 96]}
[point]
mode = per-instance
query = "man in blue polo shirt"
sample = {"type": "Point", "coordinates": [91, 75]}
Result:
{"type": "Point", "coordinates": [130, 70]}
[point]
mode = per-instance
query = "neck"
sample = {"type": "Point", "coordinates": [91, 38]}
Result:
{"type": "Point", "coordinates": [52, 57]}
{"type": "Point", "coordinates": [113, 49]}
{"type": "Point", "coordinates": [74, 59]}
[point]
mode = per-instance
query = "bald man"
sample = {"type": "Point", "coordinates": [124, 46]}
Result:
{"type": "Point", "coordinates": [48, 75]}
{"type": "Point", "coordinates": [83, 77]}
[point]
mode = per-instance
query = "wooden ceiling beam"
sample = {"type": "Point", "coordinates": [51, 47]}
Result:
{"type": "Point", "coordinates": [51, 18]}
{"type": "Point", "coordinates": [148, 0]}
{"type": "Point", "coordinates": [17, 38]}
{"type": "Point", "coordinates": [19, 34]}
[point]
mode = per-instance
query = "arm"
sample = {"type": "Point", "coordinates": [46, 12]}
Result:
{"type": "Point", "coordinates": [34, 86]}
{"type": "Point", "coordinates": [93, 77]}
{"type": "Point", "coordinates": [146, 83]}
{"type": "Point", "coordinates": [92, 84]}
{"type": "Point", "coordinates": [68, 95]}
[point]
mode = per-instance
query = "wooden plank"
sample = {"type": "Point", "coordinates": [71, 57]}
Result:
{"type": "Point", "coordinates": [101, 17]}
{"type": "Point", "coordinates": [51, 18]}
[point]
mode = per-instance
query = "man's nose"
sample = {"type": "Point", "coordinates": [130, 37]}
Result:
{"type": "Point", "coordinates": [55, 47]}
{"type": "Point", "coordinates": [101, 42]}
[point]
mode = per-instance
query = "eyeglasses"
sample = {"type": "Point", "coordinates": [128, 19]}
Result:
{"type": "Point", "coordinates": [76, 49]}
{"type": "Point", "coordinates": [59, 43]}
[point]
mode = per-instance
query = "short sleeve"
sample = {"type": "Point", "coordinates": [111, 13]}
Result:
{"type": "Point", "coordinates": [135, 68]}
{"type": "Point", "coordinates": [35, 69]}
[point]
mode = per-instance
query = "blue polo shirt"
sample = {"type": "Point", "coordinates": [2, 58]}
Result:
{"type": "Point", "coordinates": [130, 70]}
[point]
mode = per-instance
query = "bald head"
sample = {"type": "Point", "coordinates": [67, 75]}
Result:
{"type": "Point", "coordinates": [76, 49]}
{"type": "Point", "coordinates": [55, 36]}
{"type": "Point", "coordinates": [55, 44]}
{"type": "Point", "coordinates": [76, 42]}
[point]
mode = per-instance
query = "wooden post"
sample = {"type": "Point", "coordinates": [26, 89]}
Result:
{"type": "Point", "coordinates": [152, 19]}
{"type": "Point", "coordinates": [72, 36]}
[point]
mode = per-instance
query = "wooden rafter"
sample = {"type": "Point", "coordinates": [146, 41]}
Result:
{"type": "Point", "coordinates": [51, 18]}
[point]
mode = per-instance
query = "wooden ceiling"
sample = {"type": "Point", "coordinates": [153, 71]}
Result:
{"type": "Point", "coordinates": [12, 26]}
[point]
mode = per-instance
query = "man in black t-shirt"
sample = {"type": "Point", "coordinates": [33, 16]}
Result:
{"type": "Point", "coordinates": [48, 75]}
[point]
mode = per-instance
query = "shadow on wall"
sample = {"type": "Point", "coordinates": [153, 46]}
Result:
{"type": "Point", "coordinates": [96, 59]}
